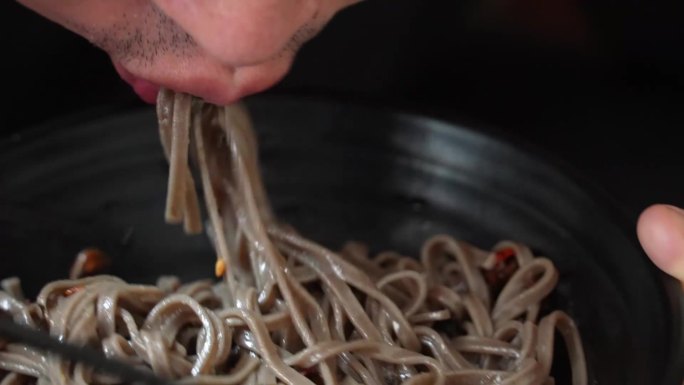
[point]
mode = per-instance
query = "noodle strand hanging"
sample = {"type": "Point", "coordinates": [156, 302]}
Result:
{"type": "Point", "coordinates": [287, 310]}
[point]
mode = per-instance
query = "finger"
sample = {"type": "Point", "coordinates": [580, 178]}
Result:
{"type": "Point", "coordinates": [661, 233]}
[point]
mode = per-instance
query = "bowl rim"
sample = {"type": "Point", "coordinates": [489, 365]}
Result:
{"type": "Point", "coordinates": [609, 204]}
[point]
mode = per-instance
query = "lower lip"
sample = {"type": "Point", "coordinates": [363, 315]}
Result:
{"type": "Point", "coordinates": [144, 88]}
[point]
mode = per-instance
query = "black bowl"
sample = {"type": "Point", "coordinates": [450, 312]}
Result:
{"type": "Point", "coordinates": [339, 172]}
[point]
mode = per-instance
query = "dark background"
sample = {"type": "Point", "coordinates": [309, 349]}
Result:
{"type": "Point", "coordinates": [598, 84]}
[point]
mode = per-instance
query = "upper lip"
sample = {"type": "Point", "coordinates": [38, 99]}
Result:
{"type": "Point", "coordinates": [209, 85]}
{"type": "Point", "coordinates": [201, 76]}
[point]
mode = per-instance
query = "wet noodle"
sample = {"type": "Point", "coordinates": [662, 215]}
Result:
{"type": "Point", "coordinates": [288, 310]}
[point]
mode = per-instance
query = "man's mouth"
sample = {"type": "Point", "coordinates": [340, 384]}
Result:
{"type": "Point", "coordinates": [144, 88]}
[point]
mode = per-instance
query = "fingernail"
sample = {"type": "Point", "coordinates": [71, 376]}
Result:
{"type": "Point", "coordinates": [675, 209]}
{"type": "Point", "coordinates": [678, 265]}
{"type": "Point", "coordinates": [661, 232]}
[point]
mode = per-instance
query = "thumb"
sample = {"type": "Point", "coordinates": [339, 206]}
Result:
{"type": "Point", "coordinates": [661, 233]}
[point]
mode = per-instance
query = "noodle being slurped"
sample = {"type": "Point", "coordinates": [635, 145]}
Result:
{"type": "Point", "coordinates": [288, 310]}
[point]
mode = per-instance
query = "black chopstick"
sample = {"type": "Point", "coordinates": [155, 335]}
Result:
{"type": "Point", "coordinates": [91, 357]}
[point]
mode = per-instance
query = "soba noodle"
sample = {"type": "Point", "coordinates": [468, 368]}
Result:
{"type": "Point", "coordinates": [290, 311]}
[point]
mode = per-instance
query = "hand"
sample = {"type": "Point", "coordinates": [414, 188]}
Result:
{"type": "Point", "coordinates": [220, 50]}
{"type": "Point", "coordinates": [661, 233]}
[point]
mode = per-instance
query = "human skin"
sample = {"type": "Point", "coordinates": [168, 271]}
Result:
{"type": "Point", "coordinates": [661, 233]}
{"type": "Point", "coordinates": [219, 50]}
{"type": "Point", "coordinates": [222, 50]}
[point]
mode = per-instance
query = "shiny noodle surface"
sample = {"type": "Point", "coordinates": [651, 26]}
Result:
{"type": "Point", "coordinates": [288, 310]}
